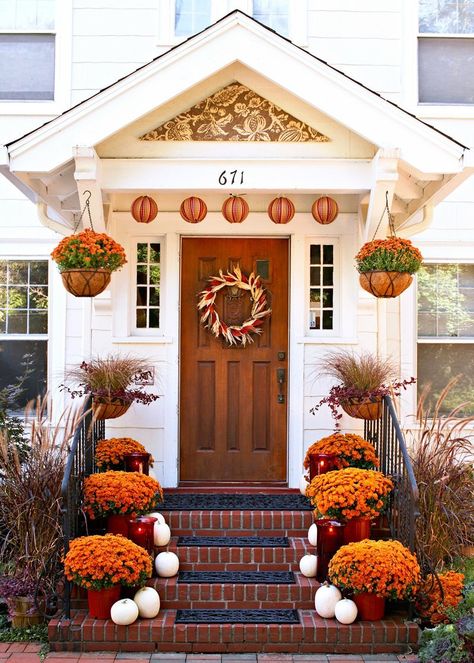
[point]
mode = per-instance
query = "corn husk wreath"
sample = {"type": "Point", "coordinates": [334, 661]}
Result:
{"type": "Point", "coordinates": [234, 334]}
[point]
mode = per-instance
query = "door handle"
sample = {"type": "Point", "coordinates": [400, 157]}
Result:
{"type": "Point", "coordinates": [281, 378]}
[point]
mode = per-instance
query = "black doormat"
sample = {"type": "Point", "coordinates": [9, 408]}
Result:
{"type": "Point", "coordinates": [235, 541]}
{"type": "Point", "coordinates": [238, 577]}
{"type": "Point", "coordinates": [237, 617]}
{"type": "Point", "coordinates": [234, 502]}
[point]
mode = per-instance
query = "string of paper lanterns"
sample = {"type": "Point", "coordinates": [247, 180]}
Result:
{"type": "Point", "coordinates": [235, 209]}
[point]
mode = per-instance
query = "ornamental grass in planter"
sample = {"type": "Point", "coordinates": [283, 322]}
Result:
{"type": "Point", "coordinates": [350, 450]}
{"type": "Point", "coordinates": [363, 381]}
{"type": "Point", "coordinates": [110, 453]}
{"type": "Point", "coordinates": [386, 266]}
{"type": "Point", "coordinates": [111, 381]}
{"type": "Point", "coordinates": [86, 262]}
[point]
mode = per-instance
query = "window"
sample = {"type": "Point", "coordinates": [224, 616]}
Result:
{"type": "Point", "coordinates": [446, 51]}
{"type": "Point", "coordinates": [446, 331]}
{"type": "Point", "coordinates": [147, 308]}
{"type": "Point", "coordinates": [274, 13]}
{"type": "Point", "coordinates": [321, 286]}
{"type": "Point", "coordinates": [27, 50]}
{"type": "Point", "coordinates": [191, 16]}
{"type": "Point", "coordinates": [23, 327]}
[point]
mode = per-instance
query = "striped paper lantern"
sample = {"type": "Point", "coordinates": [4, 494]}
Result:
{"type": "Point", "coordinates": [193, 209]}
{"type": "Point", "coordinates": [144, 209]}
{"type": "Point", "coordinates": [324, 210]}
{"type": "Point", "coordinates": [235, 209]}
{"type": "Point", "coordinates": [281, 210]}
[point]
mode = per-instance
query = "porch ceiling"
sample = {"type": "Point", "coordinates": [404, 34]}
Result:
{"type": "Point", "coordinates": [396, 152]}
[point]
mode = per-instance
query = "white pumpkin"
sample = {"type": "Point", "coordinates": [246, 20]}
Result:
{"type": "Point", "coordinates": [303, 485]}
{"type": "Point", "coordinates": [158, 516]}
{"type": "Point", "coordinates": [313, 534]}
{"type": "Point", "coordinates": [167, 564]}
{"type": "Point", "coordinates": [345, 611]}
{"type": "Point", "coordinates": [148, 602]}
{"type": "Point", "coordinates": [309, 565]}
{"type": "Point", "coordinates": [161, 534]}
{"type": "Point", "coordinates": [325, 600]}
{"type": "Point", "coordinates": [124, 612]}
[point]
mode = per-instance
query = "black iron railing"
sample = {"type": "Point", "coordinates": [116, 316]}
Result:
{"type": "Point", "coordinates": [80, 464]}
{"type": "Point", "coordinates": [388, 439]}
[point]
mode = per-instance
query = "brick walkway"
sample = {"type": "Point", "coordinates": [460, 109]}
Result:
{"type": "Point", "coordinates": [18, 652]}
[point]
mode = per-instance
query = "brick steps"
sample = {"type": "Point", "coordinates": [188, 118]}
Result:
{"type": "Point", "coordinates": [239, 523]}
{"type": "Point", "coordinates": [312, 635]}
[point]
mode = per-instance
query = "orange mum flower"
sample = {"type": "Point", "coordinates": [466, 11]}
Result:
{"type": "Point", "coordinates": [437, 593]}
{"type": "Point", "coordinates": [120, 492]}
{"type": "Point", "coordinates": [384, 568]}
{"type": "Point", "coordinates": [89, 249]}
{"type": "Point", "coordinates": [112, 451]}
{"type": "Point", "coordinates": [351, 451]}
{"type": "Point", "coordinates": [349, 493]}
{"type": "Point", "coordinates": [98, 562]}
{"type": "Point", "coordinates": [393, 255]}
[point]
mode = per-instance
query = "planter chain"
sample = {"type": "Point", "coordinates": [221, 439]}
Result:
{"type": "Point", "coordinates": [391, 224]}
{"type": "Point", "coordinates": [86, 207]}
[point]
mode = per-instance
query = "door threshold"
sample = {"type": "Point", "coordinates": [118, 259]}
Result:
{"type": "Point", "coordinates": [225, 487]}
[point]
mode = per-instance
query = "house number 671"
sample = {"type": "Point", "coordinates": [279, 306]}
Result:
{"type": "Point", "coordinates": [231, 177]}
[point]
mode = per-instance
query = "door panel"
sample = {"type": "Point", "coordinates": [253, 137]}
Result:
{"type": "Point", "coordinates": [233, 427]}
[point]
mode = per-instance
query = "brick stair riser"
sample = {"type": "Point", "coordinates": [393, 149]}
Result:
{"type": "Point", "coordinates": [312, 635]}
{"type": "Point", "coordinates": [239, 523]}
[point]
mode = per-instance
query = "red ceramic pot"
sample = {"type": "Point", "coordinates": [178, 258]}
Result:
{"type": "Point", "coordinates": [370, 607]}
{"type": "Point", "coordinates": [101, 600]}
{"type": "Point", "coordinates": [117, 523]}
{"type": "Point", "coordinates": [357, 529]}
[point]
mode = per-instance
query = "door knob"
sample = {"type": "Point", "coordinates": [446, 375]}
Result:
{"type": "Point", "coordinates": [281, 377]}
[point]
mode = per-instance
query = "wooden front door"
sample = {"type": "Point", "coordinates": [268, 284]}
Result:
{"type": "Point", "coordinates": [233, 409]}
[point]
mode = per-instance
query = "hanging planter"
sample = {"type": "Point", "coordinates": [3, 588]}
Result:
{"type": "Point", "coordinates": [386, 265]}
{"type": "Point", "coordinates": [193, 209]}
{"type": "Point", "coordinates": [281, 210]}
{"type": "Point", "coordinates": [109, 408]}
{"type": "Point", "coordinates": [363, 408]}
{"type": "Point", "coordinates": [324, 210]}
{"type": "Point", "coordinates": [86, 260]}
{"type": "Point", "coordinates": [235, 209]}
{"type": "Point", "coordinates": [144, 209]}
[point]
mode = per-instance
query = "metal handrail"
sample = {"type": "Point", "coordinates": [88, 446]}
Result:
{"type": "Point", "coordinates": [387, 437]}
{"type": "Point", "coordinates": [79, 465]}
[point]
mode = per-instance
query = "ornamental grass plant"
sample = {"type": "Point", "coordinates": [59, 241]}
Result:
{"type": "Point", "coordinates": [112, 451]}
{"type": "Point", "coordinates": [393, 254]}
{"type": "Point", "coordinates": [351, 451]}
{"type": "Point", "coordinates": [120, 493]}
{"type": "Point", "coordinates": [89, 249]}
{"type": "Point", "coordinates": [441, 451]}
{"type": "Point", "coordinates": [99, 562]}
{"type": "Point", "coordinates": [349, 493]}
{"type": "Point", "coordinates": [437, 594]}
{"type": "Point", "coordinates": [384, 568]}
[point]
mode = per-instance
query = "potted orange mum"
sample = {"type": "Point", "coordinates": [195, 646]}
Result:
{"type": "Point", "coordinates": [349, 449]}
{"type": "Point", "coordinates": [120, 496]}
{"type": "Point", "coordinates": [86, 261]}
{"type": "Point", "coordinates": [110, 453]}
{"type": "Point", "coordinates": [102, 564]}
{"type": "Point", "coordinates": [374, 571]}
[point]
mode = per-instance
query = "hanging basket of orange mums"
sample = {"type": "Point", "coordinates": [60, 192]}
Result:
{"type": "Point", "coordinates": [350, 450]}
{"type": "Point", "coordinates": [120, 493]}
{"type": "Point", "coordinates": [349, 493]}
{"type": "Point", "coordinates": [111, 452]}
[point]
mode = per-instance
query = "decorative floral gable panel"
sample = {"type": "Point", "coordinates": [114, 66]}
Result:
{"type": "Point", "coordinates": [236, 113]}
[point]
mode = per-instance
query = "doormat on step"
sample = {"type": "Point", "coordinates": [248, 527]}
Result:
{"type": "Point", "coordinates": [234, 502]}
{"type": "Point", "coordinates": [237, 617]}
{"type": "Point", "coordinates": [238, 577]}
{"type": "Point", "coordinates": [235, 541]}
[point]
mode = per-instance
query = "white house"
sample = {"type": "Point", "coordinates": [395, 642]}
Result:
{"type": "Point", "coordinates": [155, 97]}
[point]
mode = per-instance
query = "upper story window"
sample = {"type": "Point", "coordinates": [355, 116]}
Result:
{"type": "Point", "coordinates": [274, 13]}
{"type": "Point", "coordinates": [446, 51]}
{"type": "Point", "coordinates": [23, 328]}
{"type": "Point", "coordinates": [446, 332]}
{"type": "Point", "coordinates": [27, 50]}
{"type": "Point", "coordinates": [191, 16]}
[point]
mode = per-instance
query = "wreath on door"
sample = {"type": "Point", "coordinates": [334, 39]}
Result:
{"type": "Point", "coordinates": [234, 334]}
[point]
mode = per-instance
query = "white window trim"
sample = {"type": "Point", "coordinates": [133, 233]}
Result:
{"type": "Point", "coordinates": [409, 96]}
{"type": "Point", "coordinates": [134, 330]}
{"type": "Point", "coordinates": [62, 68]}
{"type": "Point", "coordinates": [336, 324]}
{"type": "Point", "coordinates": [297, 19]}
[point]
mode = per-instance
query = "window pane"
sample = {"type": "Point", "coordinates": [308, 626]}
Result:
{"type": "Point", "coordinates": [155, 274]}
{"type": "Point", "coordinates": [315, 257]}
{"type": "Point", "coordinates": [38, 322]}
{"type": "Point", "coordinates": [154, 296]}
{"type": "Point", "coordinates": [141, 296]}
{"type": "Point", "coordinates": [141, 318]}
{"type": "Point", "coordinates": [438, 363]}
{"type": "Point", "coordinates": [446, 70]}
{"type": "Point", "coordinates": [39, 273]}
{"type": "Point", "coordinates": [142, 252]}
{"type": "Point", "coordinates": [155, 253]}
{"type": "Point", "coordinates": [154, 318]}
{"type": "Point", "coordinates": [327, 319]}
{"type": "Point", "coordinates": [446, 16]}
{"type": "Point", "coordinates": [18, 272]}
{"type": "Point", "coordinates": [328, 253]}
{"type": "Point", "coordinates": [3, 296]}
{"type": "Point", "coordinates": [39, 297]}
{"type": "Point", "coordinates": [273, 13]}
{"type": "Point", "coordinates": [17, 322]}
{"type": "Point", "coordinates": [27, 71]}
{"type": "Point", "coordinates": [315, 276]}
{"type": "Point", "coordinates": [191, 16]}
{"type": "Point", "coordinates": [16, 357]}
{"type": "Point", "coordinates": [17, 298]}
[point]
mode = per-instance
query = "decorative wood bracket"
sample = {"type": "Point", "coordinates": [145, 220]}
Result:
{"type": "Point", "coordinates": [384, 179]}
{"type": "Point", "coordinates": [88, 177]}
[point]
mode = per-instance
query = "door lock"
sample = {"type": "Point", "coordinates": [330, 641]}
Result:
{"type": "Point", "coordinates": [281, 377]}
